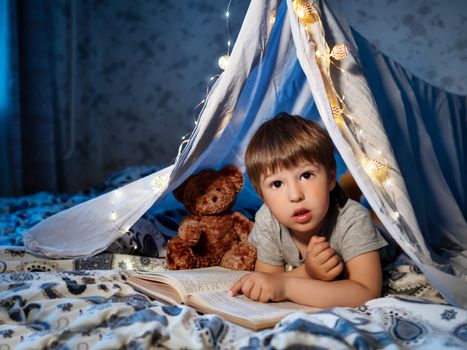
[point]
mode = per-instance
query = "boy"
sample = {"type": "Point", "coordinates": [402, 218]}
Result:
{"type": "Point", "coordinates": [306, 223]}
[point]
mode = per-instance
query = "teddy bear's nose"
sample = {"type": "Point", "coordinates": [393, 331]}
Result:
{"type": "Point", "coordinates": [214, 199]}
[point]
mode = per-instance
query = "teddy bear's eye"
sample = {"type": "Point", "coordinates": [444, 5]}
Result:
{"type": "Point", "coordinates": [202, 192]}
{"type": "Point", "coordinates": [218, 189]}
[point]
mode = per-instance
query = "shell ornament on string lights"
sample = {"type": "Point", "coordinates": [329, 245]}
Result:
{"type": "Point", "coordinates": [375, 169]}
{"type": "Point", "coordinates": [338, 115]}
{"type": "Point", "coordinates": [339, 52]}
{"type": "Point", "coordinates": [305, 12]}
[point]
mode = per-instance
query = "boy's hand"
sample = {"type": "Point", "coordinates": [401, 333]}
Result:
{"type": "Point", "coordinates": [321, 261]}
{"type": "Point", "coordinates": [260, 286]}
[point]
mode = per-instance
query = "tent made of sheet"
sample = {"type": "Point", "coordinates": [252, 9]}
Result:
{"type": "Point", "coordinates": [402, 139]}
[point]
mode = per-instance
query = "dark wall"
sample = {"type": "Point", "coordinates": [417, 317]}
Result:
{"type": "Point", "coordinates": [141, 67]}
{"type": "Point", "coordinates": [427, 37]}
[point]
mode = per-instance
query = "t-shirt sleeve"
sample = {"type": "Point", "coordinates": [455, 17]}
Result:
{"type": "Point", "coordinates": [358, 235]}
{"type": "Point", "coordinates": [264, 236]}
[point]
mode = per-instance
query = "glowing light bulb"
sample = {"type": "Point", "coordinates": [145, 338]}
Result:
{"type": "Point", "coordinates": [224, 61]}
{"type": "Point", "coordinates": [272, 19]}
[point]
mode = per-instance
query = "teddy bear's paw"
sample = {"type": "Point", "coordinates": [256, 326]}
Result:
{"type": "Point", "coordinates": [240, 257]}
{"type": "Point", "coordinates": [179, 256]}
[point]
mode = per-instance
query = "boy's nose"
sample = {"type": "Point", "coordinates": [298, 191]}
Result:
{"type": "Point", "coordinates": [296, 194]}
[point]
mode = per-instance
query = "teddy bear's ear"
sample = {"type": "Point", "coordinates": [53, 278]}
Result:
{"type": "Point", "coordinates": [178, 192]}
{"type": "Point", "coordinates": [235, 176]}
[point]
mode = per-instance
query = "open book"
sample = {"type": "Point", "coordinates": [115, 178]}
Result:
{"type": "Point", "coordinates": [207, 289]}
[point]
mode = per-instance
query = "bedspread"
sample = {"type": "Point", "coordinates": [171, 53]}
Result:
{"type": "Point", "coordinates": [44, 306]}
{"type": "Point", "coordinates": [85, 303]}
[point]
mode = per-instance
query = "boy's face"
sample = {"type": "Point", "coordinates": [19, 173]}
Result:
{"type": "Point", "coordinates": [299, 197]}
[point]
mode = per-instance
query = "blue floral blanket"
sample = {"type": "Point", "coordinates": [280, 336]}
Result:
{"type": "Point", "coordinates": [85, 303]}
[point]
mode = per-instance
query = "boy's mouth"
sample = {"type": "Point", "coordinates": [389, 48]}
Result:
{"type": "Point", "coordinates": [301, 215]}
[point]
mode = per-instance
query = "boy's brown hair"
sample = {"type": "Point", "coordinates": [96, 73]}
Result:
{"type": "Point", "coordinates": [284, 142]}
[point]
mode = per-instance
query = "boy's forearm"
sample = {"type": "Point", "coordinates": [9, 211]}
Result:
{"type": "Point", "coordinates": [327, 294]}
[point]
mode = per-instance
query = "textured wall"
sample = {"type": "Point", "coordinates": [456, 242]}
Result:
{"type": "Point", "coordinates": [427, 37]}
{"type": "Point", "coordinates": [141, 68]}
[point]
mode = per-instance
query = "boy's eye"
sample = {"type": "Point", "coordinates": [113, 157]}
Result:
{"type": "Point", "coordinates": [276, 184]}
{"type": "Point", "coordinates": [307, 175]}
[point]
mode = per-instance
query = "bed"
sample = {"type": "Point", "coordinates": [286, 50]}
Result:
{"type": "Point", "coordinates": [85, 303]}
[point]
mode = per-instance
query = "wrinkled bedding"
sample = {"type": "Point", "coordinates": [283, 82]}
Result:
{"type": "Point", "coordinates": [85, 303]}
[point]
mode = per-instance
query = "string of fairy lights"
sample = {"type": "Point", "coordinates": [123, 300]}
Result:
{"type": "Point", "coordinates": [307, 14]}
{"type": "Point", "coordinates": [377, 169]}
{"type": "Point", "coordinates": [222, 62]}
{"type": "Point", "coordinates": [159, 182]}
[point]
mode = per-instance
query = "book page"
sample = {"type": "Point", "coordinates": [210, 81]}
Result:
{"type": "Point", "coordinates": [242, 307]}
{"type": "Point", "coordinates": [201, 280]}
{"type": "Point", "coordinates": [198, 280]}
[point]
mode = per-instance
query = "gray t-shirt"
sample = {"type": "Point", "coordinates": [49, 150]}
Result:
{"type": "Point", "coordinates": [354, 234]}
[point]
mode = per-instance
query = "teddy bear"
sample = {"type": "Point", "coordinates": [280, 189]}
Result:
{"type": "Point", "coordinates": [212, 234]}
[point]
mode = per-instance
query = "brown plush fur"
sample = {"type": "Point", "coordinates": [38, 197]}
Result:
{"type": "Point", "coordinates": [212, 234]}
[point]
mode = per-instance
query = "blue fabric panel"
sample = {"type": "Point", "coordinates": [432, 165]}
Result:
{"type": "Point", "coordinates": [427, 128]}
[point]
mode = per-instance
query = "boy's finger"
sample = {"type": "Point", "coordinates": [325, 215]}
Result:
{"type": "Point", "coordinates": [236, 288]}
{"type": "Point", "coordinates": [264, 297]}
{"type": "Point", "coordinates": [332, 262]}
{"type": "Point", "coordinates": [334, 272]}
{"type": "Point", "coordinates": [242, 286]}
{"type": "Point", "coordinates": [325, 254]}
{"type": "Point", "coordinates": [318, 248]}
{"type": "Point", "coordinates": [255, 292]}
{"type": "Point", "coordinates": [315, 240]}
{"type": "Point", "coordinates": [247, 286]}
